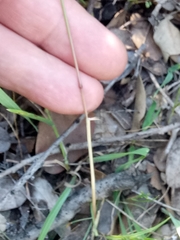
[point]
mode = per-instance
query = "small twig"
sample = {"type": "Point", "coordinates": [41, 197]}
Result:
{"type": "Point", "coordinates": [169, 145]}
{"type": "Point", "coordinates": [55, 149]}
{"type": "Point", "coordinates": [143, 134]}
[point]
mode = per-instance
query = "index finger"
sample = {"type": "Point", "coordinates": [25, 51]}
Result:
{"type": "Point", "coordinates": [100, 54]}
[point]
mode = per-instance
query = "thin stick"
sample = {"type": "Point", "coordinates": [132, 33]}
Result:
{"type": "Point", "coordinates": [88, 126]}
{"type": "Point", "coordinates": [53, 149]}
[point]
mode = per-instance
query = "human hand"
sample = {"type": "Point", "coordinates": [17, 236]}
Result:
{"type": "Point", "coordinates": [36, 59]}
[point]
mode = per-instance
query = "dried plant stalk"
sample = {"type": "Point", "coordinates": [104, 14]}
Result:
{"type": "Point", "coordinates": [88, 125]}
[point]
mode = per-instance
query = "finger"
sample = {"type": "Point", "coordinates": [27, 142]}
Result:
{"type": "Point", "coordinates": [100, 54]}
{"type": "Point", "coordinates": [37, 75]}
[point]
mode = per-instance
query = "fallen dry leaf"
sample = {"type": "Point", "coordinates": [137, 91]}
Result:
{"type": "Point", "coordinates": [118, 19]}
{"type": "Point", "coordinates": [155, 178]}
{"type": "Point", "coordinates": [127, 93]}
{"type": "Point", "coordinates": [107, 126]}
{"type": "Point", "coordinates": [107, 219]}
{"type": "Point", "coordinates": [173, 165]}
{"type": "Point", "coordinates": [143, 34]}
{"type": "Point", "coordinates": [167, 37]}
{"type": "Point", "coordinates": [10, 200]}
{"type": "Point", "coordinates": [46, 137]}
{"type": "Point", "coordinates": [140, 105]}
{"type": "Point", "coordinates": [158, 68]}
{"type": "Point", "coordinates": [43, 191]}
{"type": "Point", "coordinates": [161, 166]}
{"type": "Point", "coordinates": [5, 142]}
{"type": "Point", "coordinates": [29, 143]}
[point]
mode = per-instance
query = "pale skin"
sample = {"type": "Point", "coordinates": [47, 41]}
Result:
{"type": "Point", "coordinates": [36, 59]}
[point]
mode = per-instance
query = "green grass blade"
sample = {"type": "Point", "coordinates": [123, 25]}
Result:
{"type": "Point", "coordinates": [169, 76]}
{"type": "Point", "coordinates": [88, 231]}
{"type": "Point", "coordinates": [7, 102]}
{"type": "Point", "coordinates": [152, 112]}
{"type": "Point", "coordinates": [31, 115]}
{"type": "Point", "coordinates": [138, 235]}
{"type": "Point", "coordinates": [127, 165]}
{"type": "Point", "coordinates": [52, 215]}
{"type": "Point", "coordinates": [151, 115]}
{"type": "Point", "coordinates": [112, 156]}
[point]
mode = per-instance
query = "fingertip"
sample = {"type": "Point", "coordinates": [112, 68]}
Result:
{"type": "Point", "coordinates": [92, 92]}
{"type": "Point", "coordinates": [116, 57]}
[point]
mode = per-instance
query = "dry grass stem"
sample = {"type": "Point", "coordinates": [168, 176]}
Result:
{"type": "Point", "coordinates": [88, 125]}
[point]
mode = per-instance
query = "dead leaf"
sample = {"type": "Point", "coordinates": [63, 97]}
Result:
{"type": "Point", "coordinates": [78, 232]}
{"type": "Point", "coordinates": [2, 223]}
{"type": "Point", "coordinates": [46, 137]}
{"type": "Point", "coordinates": [43, 191]}
{"type": "Point", "coordinates": [106, 126]}
{"type": "Point", "coordinates": [110, 98]}
{"type": "Point", "coordinates": [107, 219]}
{"type": "Point", "coordinates": [123, 117]}
{"type": "Point", "coordinates": [127, 93]}
{"type": "Point", "coordinates": [10, 200]}
{"type": "Point", "coordinates": [173, 165]}
{"type": "Point", "coordinates": [167, 37]}
{"type": "Point", "coordinates": [118, 19]}
{"type": "Point", "coordinates": [5, 142]}
{"type": "Point", "coordinates": [158, 68]}
{"type": "Point", "coordinates": [155, 178]}
{"type": "Point", "coordinates": [29, 143]}
{"type": "Point", "coordinates": [140, 105]}
{"type": "Point", "coordinates": [157, 157]}
{"type": "Point", "coordinates": [143, 34]}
